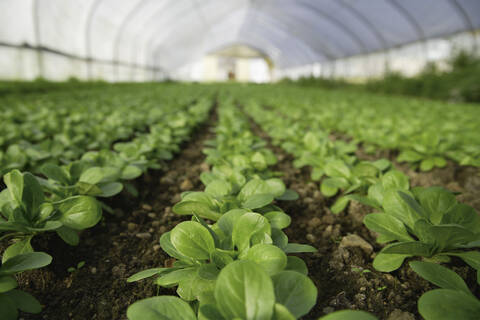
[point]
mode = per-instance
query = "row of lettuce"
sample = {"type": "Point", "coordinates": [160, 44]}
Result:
{"type": "Point", "coordinates": [413, 222]}
{"type": "Point", "coordinates": [66, 198]}
{"type": "Point", "coordinates": [426, 134]}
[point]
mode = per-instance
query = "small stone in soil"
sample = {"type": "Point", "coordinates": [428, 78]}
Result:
{"type": "Point", "coordinates": [186, 185]}
{"type": "Point", "coordinates": [398, 314]}
{"type": "Point", "coordinates": [131, 226]}
{"type": "Point", "coordinates": [352, 240]}
{"type": "Point", "coordinates": [147, 207]}
{"type": "Point", "coordinates": [143, 235]}
{"type": "Point", "coordinates": [152, 215]}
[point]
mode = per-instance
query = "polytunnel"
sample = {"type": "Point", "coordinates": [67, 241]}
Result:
{"type": "Point", "coordinates": [240, 159]}
{"type": "Point", "coordinates": [150, 39]}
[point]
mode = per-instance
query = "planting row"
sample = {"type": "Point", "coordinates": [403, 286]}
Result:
{"type": "Point", "coordinates": [414, 222]}
{"type": "Point", "coordinates": [425, 133]}
{"type": "Point", "coordinates": [236, 264]}
{"type": "Point", "coordinates": [60, 127]}
{"type": "Point", "coordinates": [65, 198]}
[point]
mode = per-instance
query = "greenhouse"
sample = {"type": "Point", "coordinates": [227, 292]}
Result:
{"type": "Point", "coordinates": [240, 159]}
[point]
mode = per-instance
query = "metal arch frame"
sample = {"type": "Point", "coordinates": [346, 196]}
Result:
{"type": "Point", "coordinates": [37, 35]}
{"type": "Point", "coordinates": [324, 50]}
{"type": "Point", "coordinates": [88, 31]}
{"type": "Point", "coordinates": [414, 23]}
{"type": "Point", "coordinates": [334, 21]}
{"type": "Point", "coordinates": [352, 35]}
{"type": "Point", "coordinates": [119, 33]}
{"type": "Point", "coordinates": [283, 24]}
{"type": "Point", "coordinates": [150, 41]}
{"type": "Point", "coordinates": [369, 25]}
{"type": "Point", "coordinates": [466, 19]}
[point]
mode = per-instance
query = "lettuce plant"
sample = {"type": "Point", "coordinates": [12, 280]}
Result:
{"type": "Point", "coordinates": [453, 300]}
{"type": "Point", "coordinates": [352, 180]}
{"type": "Point", "coordinates": [25, 212]}
{"type": "Point", "coordinates": [243, 290]}
{"type": "Point", "coordinates": [427, 151]}
{"type": "Point", "coordinates": [201, 251]}
{"type": "Point", "coordinates": [426, 222]}
{"type": "Point", "coordinates": [81, 178]}
{"type": "Point", "coordinates": [11, 299]}
{"type": "Point", "coordinates": [221, 196]}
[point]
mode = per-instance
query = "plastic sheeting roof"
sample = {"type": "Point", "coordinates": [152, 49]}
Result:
{"type": "Point", "coordinates": [170, 33]}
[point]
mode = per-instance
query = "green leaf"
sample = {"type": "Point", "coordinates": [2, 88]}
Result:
{"type": "Point", "coordinates": [337, 168]}
{"type": "Point", "coordinates": [54, 172]}
{"type": "Point", "coordinates": [7, 283]}
{"type": "Point", "coordinates": [427, 164]}
{"type": "Point", "coordinates": [245, 291]}
{"type": "Point", "coordinates": [33, 195]}
{"type": "Point", "coordinates": [388, 225]}
{"type": "Point", "coordinates": [246, 226]}
{"type": "Point", "coordinates": [19, 247]}
{"type": "Point", "coordinates": [254, 186]}
{"type": "Point", "coordinates": [146, 274]}
{"type": "Point", "coordinates": [8, 307]}
{"type": "Point", "coordinates": [414, 248]}
{"type": "Point", "coordinates": [209, 312]}
{"type": "Point", "coordinates": [278, 219]}
{"type": "Point", "coordinates": [282, 313]}
{"type": "Point", "coordinates": [80, 212]}
{"type": "Point", "coordinates": [175, 276]}
{"type": "Point", "coordinates": [288, 195]}
{"type": "Point", "coordinates": [271, 258]}
{"type": "Point", "coordinates": [472, 258]}
{"type": "Point", "coordinates": [208, 271]}
{"type": "Point", "coordinates": [386, 262]}
{"type": "Point", "coordinates": [436, 201]}
{"type": "Point", "coordinates": [110, 189]}
{"type": "Point", "coordinates": [168, 247]}
{"type": "Point", "coordinates": [463, 215]}
{"type": "Point", "coordinates": [92, 175]}
{"type": "Point", "coordinates": [161, 308]}
{"type": "Point", "coordinates": [221, 259]}
{"type": "Point", "coordinates": [450, 236]}
{"type": "Point", "coordinates": [276, 186]}
{"type": "Point", "coordinates": [349, 315]}
{"type": "Point", "coordinates": [446, 304]}
{"type": "Point", "coordinates": [395, 179]}
{"type": "Point", "coordinates": [298, 248]}
{"type": "Point", "coordinates": [25, 301]}
{"type": "Point", "coordinates": [440, 276]}
{"type": "Point", "coordinates": [340, 205]}
{"type": "Point", "coordinates": [25, 261]}
{"type": "Point", "coordinates": [87, 189]}
{"type": "Point", "coordinates": [218, 188]}
{"type": "Point", "coordinates": [409, 156]}
{"type": "Point", "coordinates": [14, 182]}
{"type": "Point", "coordinates": [68, 235]}
{"type": "Point", "coordinates": [228, 220]}
{"type": "Point", "coordinates": [200, 208]}
{"type": "Point", "coordinates": [330, 186]}
{"type": "Point", "coordinates": [295, 291]}
{"type": "Point", "coordinates": [131, 172]}
{"type": "Point", "coordinates": [296, 264]}
{"type": "Point", "coordinates": [257, 201]}
{"type": "Point", "coordinates": [192, 240]}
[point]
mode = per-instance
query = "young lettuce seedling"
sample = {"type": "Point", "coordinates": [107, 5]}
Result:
{"type": "Point", "coordinates": [243, 290]}
{"type": "Point", "coordinates": [11, 299]}
{"type": "Point", "coordinates": [202, 250]}
{"type": "Point", "coordinates": [453, 301]}
{"type": "Point", "coordinates": [427, 151]}
{"type": "Point", "coordinates": [353, 181]}
{"type": "Point", "coordinates": [81, 178]}
{"type": "Point", "coordinates": [428, 222]}
{"type": "Point", "coordinates": [24, 212]}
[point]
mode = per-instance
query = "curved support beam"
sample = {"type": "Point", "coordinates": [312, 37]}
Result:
{"type": "Point", "coordinates": [120, 31]}
{"type": "Point", "coordinates": [37, 35]}
{"type": "Point", "coordinates": [414, 23]}
{"type": "Point", "coordinates": [466, 19]}
{"type": "Point", "coordinates": [324, 50]}
{"type": "Point", "coordinates": [352, 35]}
{"type": "Point", "coordinates": [88, 31]}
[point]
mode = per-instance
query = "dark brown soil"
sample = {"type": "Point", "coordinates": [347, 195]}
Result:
{"type": "Point", "coordinates": [342, 269]}
{"type": "Point", "coordinates": [122, 244]}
